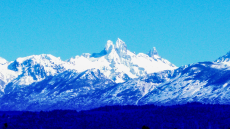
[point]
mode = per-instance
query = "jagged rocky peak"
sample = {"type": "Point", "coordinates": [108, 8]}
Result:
{"type": "Point", "coordinates": [2, 61]}
{"type": "Point", "coordinates": [109, 46]}
{"type": "Point", "coordinates": [153, 52]}
{"type": "Point", "coordinates": [121, 47]}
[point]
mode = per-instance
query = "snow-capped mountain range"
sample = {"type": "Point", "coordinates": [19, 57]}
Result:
{"type": "Point", "coordinates": [115, 62]}
{"type": "Point", "coordinates": [113, 76]}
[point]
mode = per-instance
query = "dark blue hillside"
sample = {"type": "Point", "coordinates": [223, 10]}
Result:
{"type": "Point", "coordinates": [188, 116]}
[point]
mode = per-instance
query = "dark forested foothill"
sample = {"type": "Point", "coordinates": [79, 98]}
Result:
{"type": "Point", "coordinates": [188, 116]}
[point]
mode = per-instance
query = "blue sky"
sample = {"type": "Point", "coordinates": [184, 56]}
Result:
{"type": "Point", "coordinates": [182, 31]}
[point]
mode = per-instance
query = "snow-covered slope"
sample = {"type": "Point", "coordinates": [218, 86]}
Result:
{"type": "Point", "coordinates": [198, 82]}
{"type": "Point", "coordinates": [224, 58]}
{"type": "Point", "coordinates": [117, 62]}
{"type": "Point", "coordinates": [6, 75]}
{"type": "Point", "coordinates": [32, 69]}
{"type": "Point", "coordinates": [90, 89]}
{"type": "Point", "coordinates": [114, 61]}
{"type": "Point", "coordinates": [2, 61]}
{"type": "Point", "coordinates": [223, 61]}
{"type": "Point", "coordinates": [115, 76]}
{"type": "Point", "coordinates": [62, 91]}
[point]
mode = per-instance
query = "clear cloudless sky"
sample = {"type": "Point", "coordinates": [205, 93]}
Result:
{"type": "Point", "coordinates": [183, 31]}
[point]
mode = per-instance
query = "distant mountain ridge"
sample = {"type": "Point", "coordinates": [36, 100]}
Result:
{"type": "Point", "coordinates": [114, 76]}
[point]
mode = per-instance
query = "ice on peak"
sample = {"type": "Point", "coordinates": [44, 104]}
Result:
{"type": "Point", "coordinates": [86, 55]}
{"type": "Point", "coordinates": [48, 57]}
{"type": "Point", "coordinates": [2, 60]}
{"type": "Point", "coordinates": [121, 47]}
{"type": "Point", "coordinates": [120, 44]}
{"type": "Point", "coordinates": [224, 58]}
{"type": "Point", "coordinates": [109, 46]}
{"type": "Point", "coordinates": [227, 55]}
{"type": "Point", "coordinates": [153, 52]}
{"type": "Point", "coordinates": [48, 61]}
{"type": "Point", "coordinates": [38, 58]}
